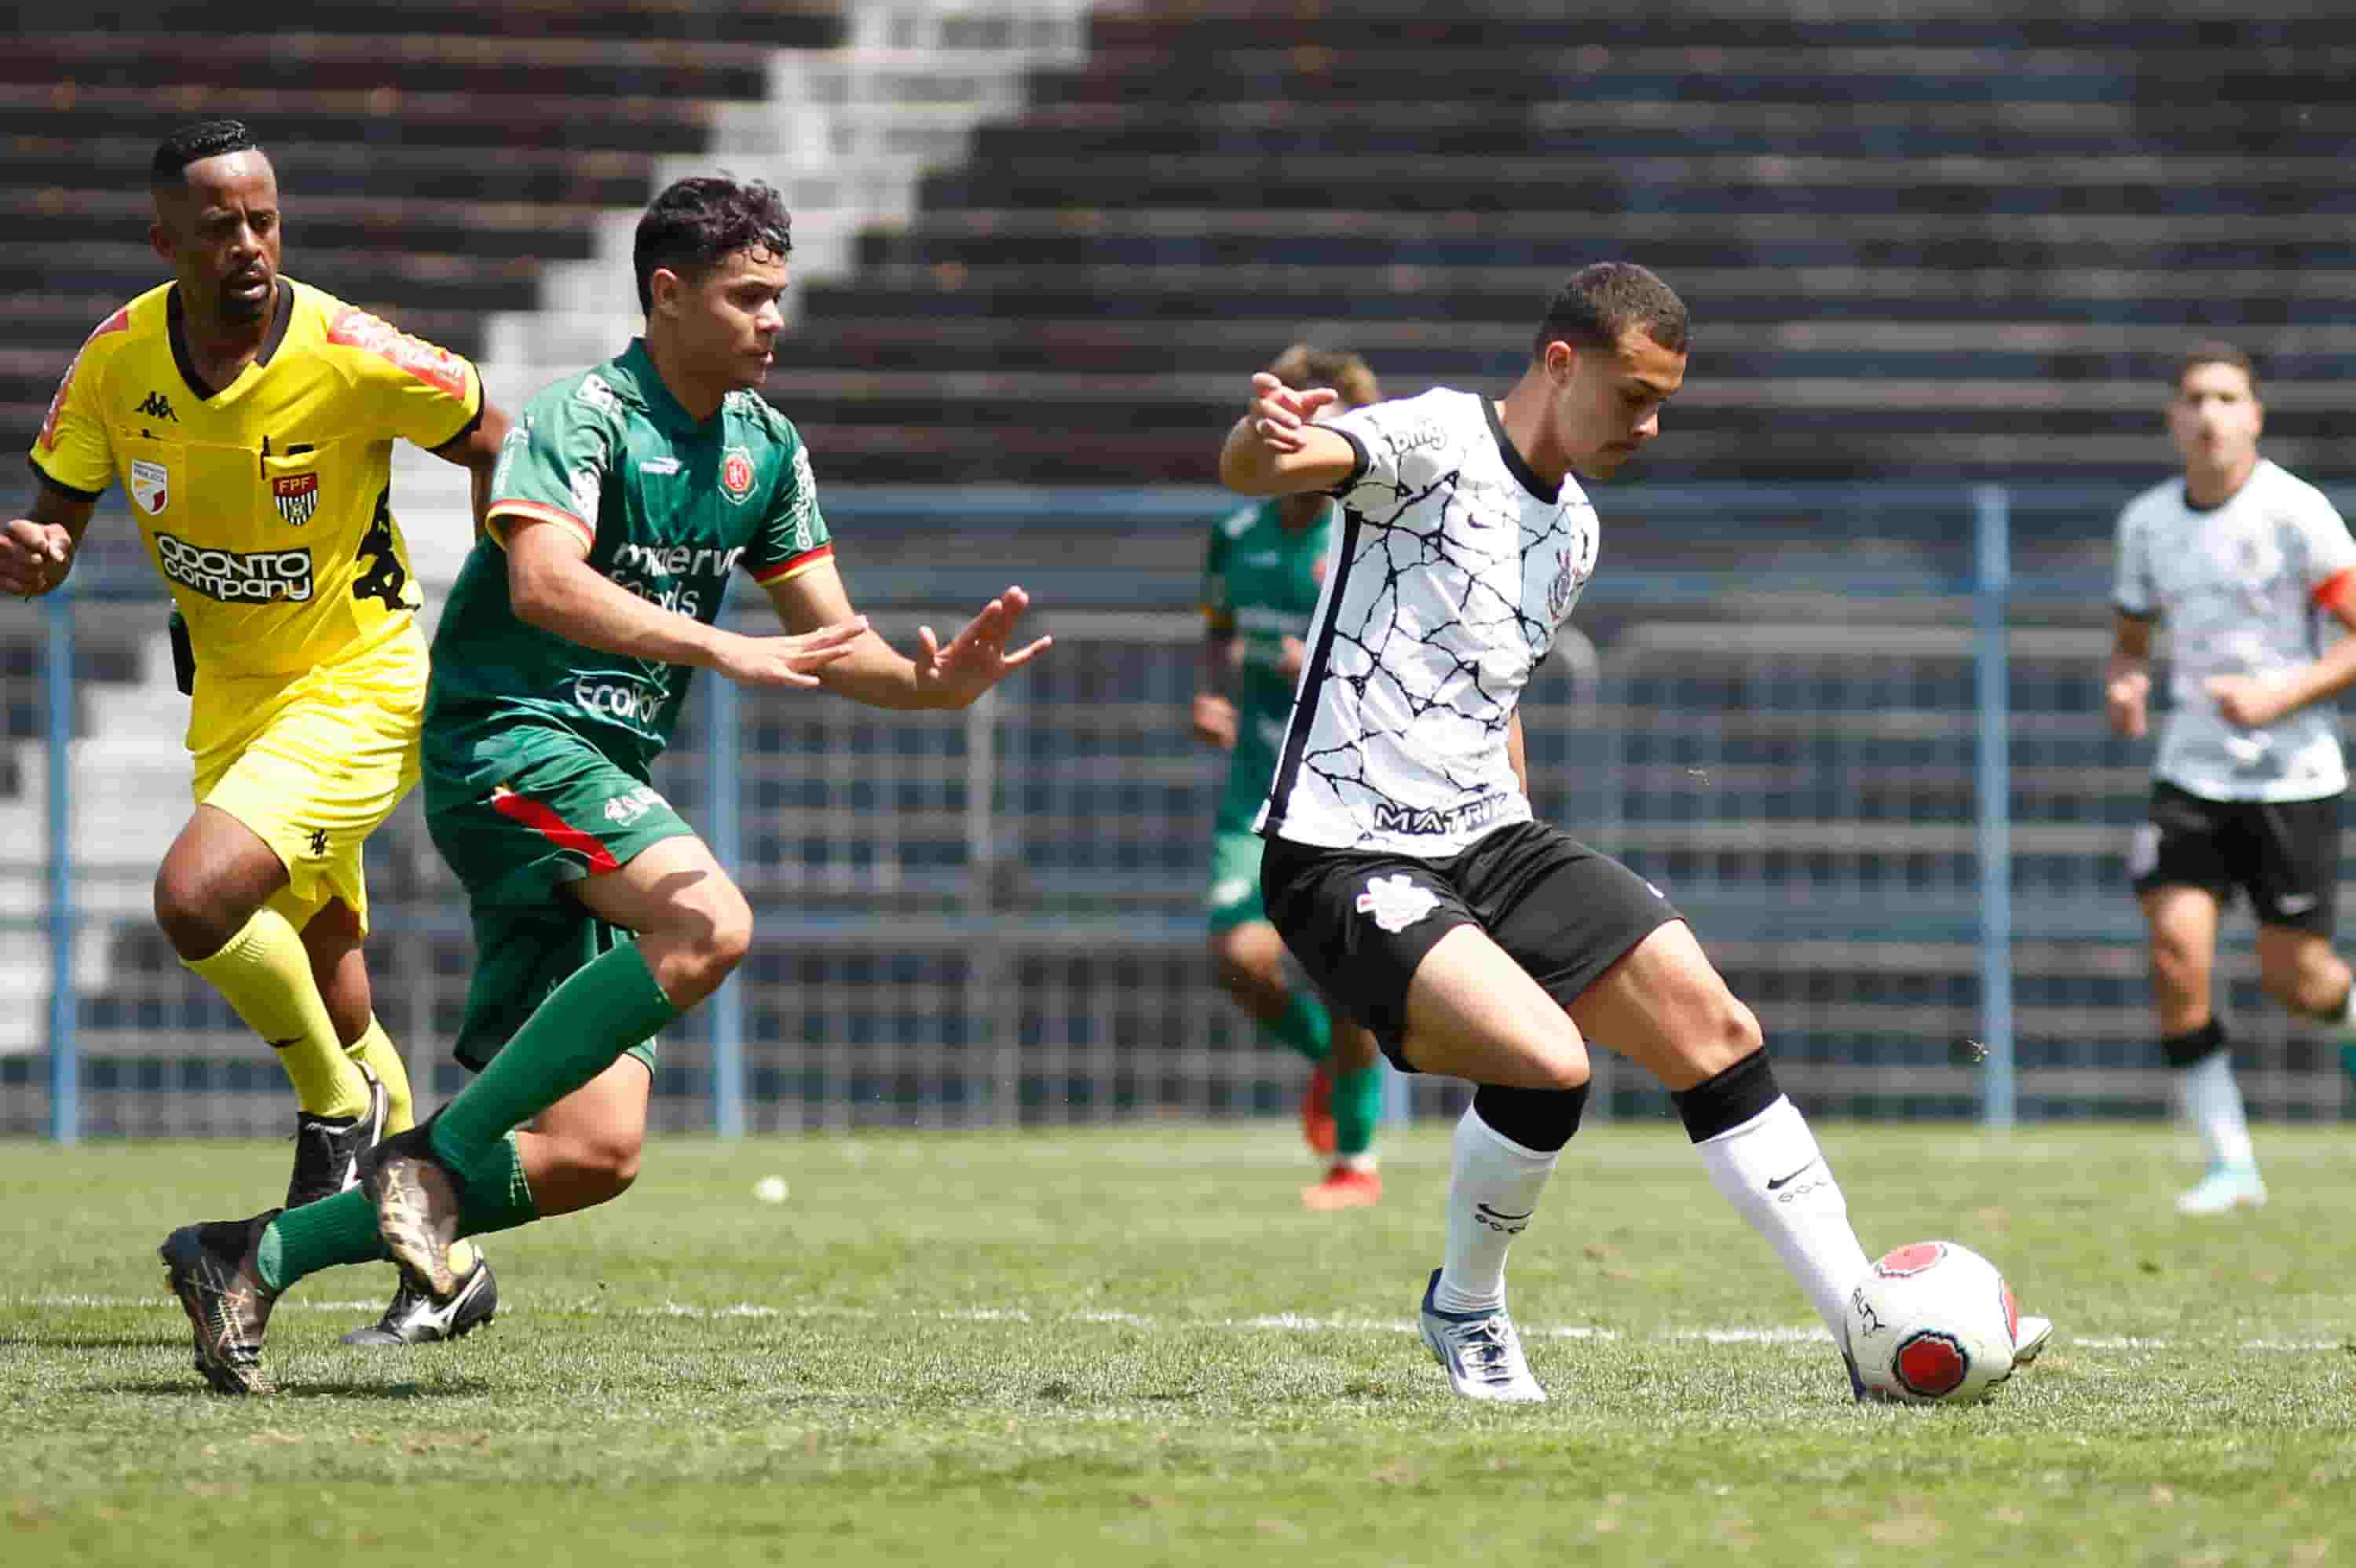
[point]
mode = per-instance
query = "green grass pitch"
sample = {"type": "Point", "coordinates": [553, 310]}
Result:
{"type": "Point", "coordinates": [1133, 1347]}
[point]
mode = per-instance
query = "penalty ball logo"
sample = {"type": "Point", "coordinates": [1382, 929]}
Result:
{"type": "Point", "coordinates": [1932, 1363]}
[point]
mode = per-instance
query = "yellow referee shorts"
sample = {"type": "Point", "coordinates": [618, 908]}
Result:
{"type": "Point", "coordinates": [312, 764]}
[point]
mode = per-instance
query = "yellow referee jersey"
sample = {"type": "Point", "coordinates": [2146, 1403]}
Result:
{"type": "Point", "coordinates": [266, 504]}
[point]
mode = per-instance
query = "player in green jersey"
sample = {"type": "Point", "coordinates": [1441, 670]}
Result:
{"type": "Point", "coordinates": [625, 498]}
{"type": "Point", "coordinates": [1266, 568]}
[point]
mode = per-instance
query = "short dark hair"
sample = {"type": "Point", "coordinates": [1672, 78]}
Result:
{"type": "Point", "coordinates": [2215, 352]}
{"type": "Point", "coordinates": [1596, 308]}
{"type": "Point", "coordinates": [193, 144]}
{"type": "Point", "coordinates": [702, 220]}
{"type": "Point", "coordinates": [1311, 365]}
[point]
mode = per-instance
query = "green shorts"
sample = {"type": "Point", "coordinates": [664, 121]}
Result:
{"type": "Point", "coordinates": [559, 811]}
{"type": "Point", "coordinates": [1233, 898]}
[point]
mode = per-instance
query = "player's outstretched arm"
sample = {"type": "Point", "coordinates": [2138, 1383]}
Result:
{"type": "Point", "coordinates": [552, 586]}
{"type": "Point", "coordinates": [878, 675]}
{"type": "Point", "coordinates": [37, 550]}
{"type": "Point", "coordinates": [2126, 675]}
{"type": "Point", "coordinates": [477, 452]}
{"type": "Point", "coordinates": [1277, 448]}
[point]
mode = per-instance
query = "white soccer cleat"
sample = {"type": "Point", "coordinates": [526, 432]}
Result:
{"type": "Point", "coordinates": [1480, 1352]}
{"type": "Point", "coordinates": [2029, 1339]}
{"type": "Point", "coordinates": [2223, 1189]}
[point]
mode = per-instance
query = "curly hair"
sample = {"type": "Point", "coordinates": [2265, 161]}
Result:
{"type": "Point", "coordinates": [698, 222]}
{"type": "Point", "coordinates": [192, 144]}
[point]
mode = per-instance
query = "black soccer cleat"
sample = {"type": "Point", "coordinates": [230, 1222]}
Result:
{"type": "Point", "coordinates": [416, 1319]}
{"type": "Point", "coordinates": [327, 1148]}
{"type": "Point", "coordinates": [417, 1199]}
{"type": "Point", "coordinates": [212, 1268]}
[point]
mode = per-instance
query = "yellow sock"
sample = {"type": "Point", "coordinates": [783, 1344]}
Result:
{"type": "Point", "coordinates": [265, 974]}
{"type": "Point", "coordinates": [374, 1051]}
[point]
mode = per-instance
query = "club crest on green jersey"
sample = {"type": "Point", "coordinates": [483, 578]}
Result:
{"type": "Point", "coordinates": [736, 473]}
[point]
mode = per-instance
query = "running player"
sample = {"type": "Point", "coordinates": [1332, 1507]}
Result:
{"type": "Point", "coordinates": [1402, 863]}
{"type": "Point", "coordinates": [1267, 562]}
{"type": "Point", "coordinates": [2251, 567]}
{"type": "Point", "coordinates": [628, 496]}
{"type": "Point", "coordinates": [251, 420]}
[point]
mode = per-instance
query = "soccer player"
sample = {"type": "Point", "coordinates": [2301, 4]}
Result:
{"type": "Point", "coordinates": [1267, 562]}
{"type": "Point", "coordinates": [251, 420]}
{"type": "Point", "coordinates": [2251, 567]}
{"type": "Point", "coordinates": [1402, 864]}
{"type": "Point", "coordinates": [627, 495]}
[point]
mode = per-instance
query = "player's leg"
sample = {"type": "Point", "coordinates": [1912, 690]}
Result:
{"type": "Point", "coordinates": [2182, 921]}
{"type": "Point", "coordinates": [339, 967]}
{"type": "Point", "coordinates": [1355, 1103]}
{"type": "Point", "coordinates": [1248, 960]}
{"type": "Point", "coordinates": [2295, 892]}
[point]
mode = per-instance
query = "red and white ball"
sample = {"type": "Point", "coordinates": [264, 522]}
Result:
{"type": "Point", "coordinates": [1933, 1323]}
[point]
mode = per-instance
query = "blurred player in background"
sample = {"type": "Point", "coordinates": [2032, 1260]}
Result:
{"type": "Point", "coordinates": [1403, 865]}
{"type": "Point", "coordinates": [1260, 584]}
{"type": "Point", "coordinates": [251, 420]}
{"type": "Point", "coordinates": [2255, 575]}
{"type": "Point", "coordinates": [627, 498]}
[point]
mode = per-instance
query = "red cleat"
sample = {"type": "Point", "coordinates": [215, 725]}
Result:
{"type": "Point", "coordinates": [1343, 1188]}
{"type": "Point", "coordinates": [1317, 1111]}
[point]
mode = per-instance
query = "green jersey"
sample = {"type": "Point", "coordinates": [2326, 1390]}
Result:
{"type": "Point", "coordinates": [1260, 584]}
{"type": "Point", "coordinates": [669, 507]}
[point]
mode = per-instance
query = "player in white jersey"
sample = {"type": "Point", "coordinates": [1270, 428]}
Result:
{"type": "Point", "coordinates": [1402, 864]}
{"type": "Point", "coordinates": [2255, 575]}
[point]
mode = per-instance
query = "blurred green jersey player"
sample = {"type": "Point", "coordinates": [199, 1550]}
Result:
{"type": "Point", "coordinates": [1260, 584]}
{"type": "Point", "coordinates": [628, 496]}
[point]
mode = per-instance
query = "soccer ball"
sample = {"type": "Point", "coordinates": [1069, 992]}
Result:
{"type": "Point", "coordinates": [1933, 1323]}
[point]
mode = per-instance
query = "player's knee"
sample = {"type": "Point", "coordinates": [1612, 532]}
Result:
{"type": "Point", "coordinates": [1560, 1069]}
{"type": "Point", "coordinates": [1720, 1031]}
{"type": "Point", "coordinates": [719, 932]}
{"type": "Point", "coordinates": [604, 1159]}
{"type": "Point", "coordinates": [193, 921]}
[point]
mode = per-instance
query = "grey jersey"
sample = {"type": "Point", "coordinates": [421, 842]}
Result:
{"type": "Point", "coordinates": [2237, 586]}
{"type": "Point", "coordinates": [1453, 570]}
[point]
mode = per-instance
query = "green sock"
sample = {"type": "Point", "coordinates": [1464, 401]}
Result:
{"type": "Point", "coordinates": [338, 1230]}
{"type": "Point", "coordinates": [1305, 1027]}
{"type": "Point", "coordinates": [498, 1196]}
{"type": "Point", "coordinates": [1357, 1105]}
{"type": "Point", "coordinates": [604, 1008]}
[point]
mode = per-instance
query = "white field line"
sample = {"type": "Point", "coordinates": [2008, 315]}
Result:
{"type": "Point", "coordinates": [1278, 1323]}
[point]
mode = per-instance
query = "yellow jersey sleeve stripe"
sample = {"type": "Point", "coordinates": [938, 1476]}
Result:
{"type": "Point", "coordinates": [537, 513]}
{"type": "Point", "coordinates": [787, 569]}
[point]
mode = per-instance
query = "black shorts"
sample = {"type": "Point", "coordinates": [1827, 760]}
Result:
{"type": "Point", "coordinates": [2284, 853]}
{"type": "Point", "coordinates": [1360, 922]}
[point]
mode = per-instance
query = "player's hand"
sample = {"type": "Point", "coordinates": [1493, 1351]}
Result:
{"type": "Point", "coordinates": [2247, 700]}
{"type": "Point", "coordinates": [976, 659]}
{"type": "Point", "coordinates": [787, 661]}
{"type": "Point", "coordinates": [2125, 697]}
{"type": "Point", "coordinates": [1214, 721]}
{"type": "Point", "coordinates": [1279, 413]}
{"type": "Point", "coordinates": [34, 556]}
{"type": "Point", "coordinates": [1292, 654]}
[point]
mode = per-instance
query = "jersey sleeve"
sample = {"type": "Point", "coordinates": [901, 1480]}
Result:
{"type": "Point", "coordinates": [407, 387]}
{"type": "Point", "coordinates": [553, 466]}
{"type": "Point", "coordinates": [2329, 554]}
{"type": "Point", "coordinates": [1387, 438]}
{"type": "Point", "coordinates": [793, 537]}
{"type": "Point", "coordinates": [2131, 590]}
{"type": "Point", "coordinates": [71, 452]}
{"type": "Point", "coordinates": [1218, 598]}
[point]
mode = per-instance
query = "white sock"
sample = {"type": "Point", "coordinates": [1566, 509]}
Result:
{"type": "Point", "coordinates": [1771, 1170]}
{"type": "Point", "coordinates": [2212, 1102]}
{"type": "Point", "coordinates": [1493, 1189]}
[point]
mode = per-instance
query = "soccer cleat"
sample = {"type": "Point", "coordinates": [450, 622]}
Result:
{"type": "Point", "coordinates": [416, 1319]}
{"type": "Point", "coordinates": [2224, 1189]}
{"type": "Point", "coordinates": [1480, 1352]}
{"type": "Point", "coordinates": [1317, 1110]}
{"type": "Point", "coordinates": [2029, 1340]}
{"type": "Point", "coordinates": [416, 1198]}
{"type": "Point", "coordinates": [1345, 1186]}
{"type": "Point", "coordinates": [327, 1148]}
{"type": "Point", "coordinates": [212, 1268]}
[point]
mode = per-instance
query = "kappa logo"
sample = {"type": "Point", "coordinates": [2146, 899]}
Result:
{"type": "Point", "coordinates": [318, 841]}
{"type": "Point", "coordinates": [297, 495]}
{"type": "Point", "coordinates": [736, 475]}
{"type": "Point", "coordinates": [1395, 901]}
{"type": "Point", "coordinates": [158, 407]}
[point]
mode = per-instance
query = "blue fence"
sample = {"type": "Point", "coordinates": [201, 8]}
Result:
{"type": "Point", "coordinates": [1855, 731]}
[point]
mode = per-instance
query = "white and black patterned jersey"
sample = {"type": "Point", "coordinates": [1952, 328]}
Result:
{"type": "Point", "coordinates": [1452, 569]}
{"type": "Point", "coordinates": [2241, 586]}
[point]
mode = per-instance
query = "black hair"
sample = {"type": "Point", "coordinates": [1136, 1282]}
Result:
{"type": "Point", "coordinates": [192, 144]}
{"type": "Point", "coordinates": [1596, 308]}
{"type": "Point", "coordinates": [703, 219]}
{"type": "Point", "coordinates": [2215, 352]}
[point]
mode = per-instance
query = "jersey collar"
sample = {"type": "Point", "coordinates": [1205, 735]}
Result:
{"type": "Point", "coordinates": [1515, 464]}
{"type": "Point", "coordinates": [175, 318]}
{"type": "Point", "coordinates": [660, 405]}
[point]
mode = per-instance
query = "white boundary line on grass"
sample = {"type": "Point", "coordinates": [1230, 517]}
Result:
{"type": "Point", "coordinates": [1280, 1322]}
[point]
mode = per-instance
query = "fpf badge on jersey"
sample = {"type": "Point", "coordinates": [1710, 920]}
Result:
{"type": "Point", "coordinates": [151, 486]}
{"type": "Point", "coordinates": [297, 495]}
